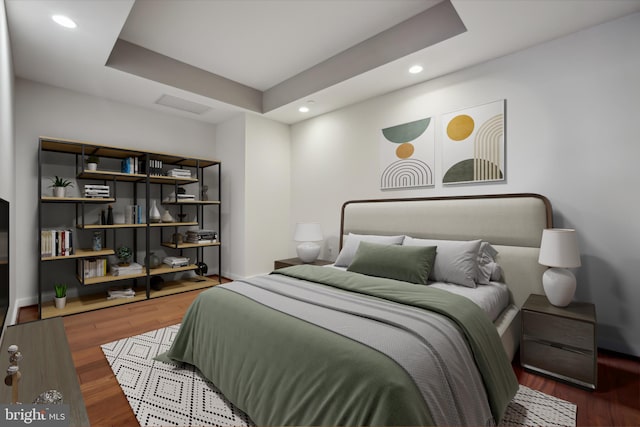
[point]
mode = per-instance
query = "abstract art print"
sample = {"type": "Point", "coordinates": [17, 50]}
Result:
{"type": "Point", "coordinates": [473, 144]}
{"type": "Point", "coordinates": [407, 155]}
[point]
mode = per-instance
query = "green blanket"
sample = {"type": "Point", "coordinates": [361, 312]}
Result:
{"type": "Point", "coordinates": [283, 371]}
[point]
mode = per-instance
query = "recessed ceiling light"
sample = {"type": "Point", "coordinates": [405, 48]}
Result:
{"type": "Point", "coordinates": [65, 21]}
{"type": "Point", "coordinates": [415, 69]}
{"type": "Point", "coordinates": [303, 109]}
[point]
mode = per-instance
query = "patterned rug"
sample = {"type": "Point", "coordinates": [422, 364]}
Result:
{"type": "Point", "coordinates": [163, 394]}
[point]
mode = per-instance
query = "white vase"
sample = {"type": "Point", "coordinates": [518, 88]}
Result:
{"type": "Point", "coordinates": [59, 191]}
{"type": "Point", "coordinates": [60, 302]}
{"type": "Point", "coordinates": [154, 213]}
{"type": "Point", "coordinates": [92, 166]}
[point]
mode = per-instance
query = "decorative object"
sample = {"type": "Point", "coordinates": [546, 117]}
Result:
{"type": "Point", "coordinates": [123, 253]}
{"type": "Point", "coordinates": [559, 250]}
{"type": "Point", "coordinates": [157, 282]}
{"type": "Point", "coordinates": [147, 390]}
{"type": "Point", "coordinates": [473, 144]}
{"type": "Point", "coordinates": [202, 269]}
{"type": "Point", "coordinates": [177, 238]}
{"type": "Point", "coordinates": [407, 155]}
{"type": "Point", "coordinates": [13, 372]}
{"type": "Point", "coordinates": [153, 261]}
{"type": "Point", "coordinates": [308, 234]}
{"type": "Point", "coordinates": [59, 186]}
{"type": "Point", "coordinates": [166, 216]}
{"type": "Point", "coordinates": [61, 295]}
{"type": "Point", "coordinates": [181, 216]}
{"type": "Point", "coordinates": [103, 217]}
{"type": "Point", "coordinates": [110, 215]}
{"type": "Point", "coordinates": [49, 397]}
{"type": "Point", "coordinates": [97, 241]}
{"type": "Point", "coordinates": [154, 213]}
{"type": "Point", "coordinates": [92, 163]}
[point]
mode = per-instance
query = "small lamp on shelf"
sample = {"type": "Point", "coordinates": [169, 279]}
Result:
{"type": "Point", "coordinates": [559, 250]}
{"type": "Point", "coordinates": [308, 233]}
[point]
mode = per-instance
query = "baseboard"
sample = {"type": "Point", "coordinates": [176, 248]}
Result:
{"type": "Point", "coordinates": [14, 311]}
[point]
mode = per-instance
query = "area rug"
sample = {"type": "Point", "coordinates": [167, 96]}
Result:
{"type": "Point", "coordinates": [163, 394]}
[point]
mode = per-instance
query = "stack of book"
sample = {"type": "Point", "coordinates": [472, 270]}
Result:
{"type": "Point", "coordinates": [174, 261]}
{"type": "Point", "coordinates": [155, 167]}
{"type": "Point", "coordinates": [184, 197]}
{"type": "Point", "coordinates": [201, 236]}
{"type": "Point", "coordinates": [115, 293]}
{"type": "Point", "coordinates": [92, 267]}
{"type": "Point", "coordinates": [56, 242]}
{"type": "Point", "coordinates": [129, 165]}
{"type": "Point", "coordinates": [179, 173]}
{"type": "Point", "coordinates": [96, 191]}
{"type": "Point", "coordinates": [125, 270]}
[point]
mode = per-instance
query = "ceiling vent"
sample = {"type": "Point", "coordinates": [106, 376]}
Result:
{"type": "Point", "coordinates": [182, 104]}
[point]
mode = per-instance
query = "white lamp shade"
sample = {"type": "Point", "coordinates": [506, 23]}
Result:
{"type": "Point", "coordinates": [559, 248]}
{"type": "Point", "coordinates": [307, 232]}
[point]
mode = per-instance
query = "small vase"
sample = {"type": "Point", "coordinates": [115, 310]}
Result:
{"type": "Point", "coordinates": [154, 213]}
{"type": "Point", "coordinates": [166, 217]}
{"type": "Point", "coordinates": [92, 166]}
{"type": "Point", "coordinates": [153, 261]}
{"type": "Point", "coordinates": [59, 191]}
{"type": "Point", "coordinates": [60, 302]}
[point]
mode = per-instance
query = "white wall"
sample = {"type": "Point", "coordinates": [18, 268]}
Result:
{"type": "Point", "coordinates": [46, 110]}
{"type": "Point", "coordinates": [572, 115]}
{"type": "Point", "coordinates": [7, 159]}
{"type": "Point", "coordinates": [256, 197]}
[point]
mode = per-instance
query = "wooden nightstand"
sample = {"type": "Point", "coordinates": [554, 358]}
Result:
{"type": "Point", "coordinates": [560, 341]}
{"type": "Point", "coordinates": [281, 263]}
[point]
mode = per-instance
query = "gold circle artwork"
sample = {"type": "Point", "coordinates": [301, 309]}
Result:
{"type": "Point", "coordinates": [460, 127]}
{"type": "Point", "coordinates": [405, 150]}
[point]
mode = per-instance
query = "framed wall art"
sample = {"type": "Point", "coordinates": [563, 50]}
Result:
{"type": "Point", "coordinates": [473, 144]}
{"type": "Point", "coordinates": [407, 153]}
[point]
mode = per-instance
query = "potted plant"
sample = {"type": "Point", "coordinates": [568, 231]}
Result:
{"type": "Point", "coordinates": [61, 295]}
{"type": "Point", "coordinates": [92, 162]}
{"type": "Point", "coordinates": [123, 253]}
{"type": "Point", "coordinates": [59, 186]}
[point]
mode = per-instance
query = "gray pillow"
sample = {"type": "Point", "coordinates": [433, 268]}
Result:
{"type": "Point", "coordinates": [487, 267]}
{"type": "Point", "coordinates": [406, 263]}
{"type": "Point", "coordinates": [353, 240]}
{"type": "Point", "coordinates": [456, 261]}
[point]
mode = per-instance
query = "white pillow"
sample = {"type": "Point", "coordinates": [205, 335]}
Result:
{"type": "Point", "coordinates": [456, 261]}
{"type": "Point", "coordinates": [487, 267]}
{"type": "Point", "coordinates": [353, 241]}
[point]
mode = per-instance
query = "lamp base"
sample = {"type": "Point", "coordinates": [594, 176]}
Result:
{"type": "Point", "coordinates": [308, 251]}
{"type": "Point", "coordinates": [559, 285]}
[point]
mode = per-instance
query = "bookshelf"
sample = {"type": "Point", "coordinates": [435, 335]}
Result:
{"type": "Point", "coordinates": [136, 185]}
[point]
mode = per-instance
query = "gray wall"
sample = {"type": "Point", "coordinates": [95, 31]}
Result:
{"type": "Point", "coordinates": [571, 130]}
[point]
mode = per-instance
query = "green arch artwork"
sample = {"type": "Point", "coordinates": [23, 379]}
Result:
{"type": "Point", "coordinates": [407, 131]}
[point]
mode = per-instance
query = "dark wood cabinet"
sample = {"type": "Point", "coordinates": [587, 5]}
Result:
{"type": "Point", "coordinates": [560, 341]}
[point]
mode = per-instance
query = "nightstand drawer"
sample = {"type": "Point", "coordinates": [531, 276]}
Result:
{"type": "Point", "coordinates": [573, 333]}
{"type": "Point", "coordinates": [559, 362]}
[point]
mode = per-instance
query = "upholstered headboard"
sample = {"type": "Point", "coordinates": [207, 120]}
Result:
{"type": "Point", "coordinates": [512, 223]}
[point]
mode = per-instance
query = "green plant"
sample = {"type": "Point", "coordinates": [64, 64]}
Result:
{"type": "Point", "coordinates": [60, 182]}
{"type": "Point", "coordinates": [123, 253]}
{"type": "Point", "coordinates": [61, 290]}
{"type": "Point", "coordinates": [93, 159]}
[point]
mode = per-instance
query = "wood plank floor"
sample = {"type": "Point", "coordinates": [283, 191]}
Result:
{"type": "Point", "coordinates": [615, 403]}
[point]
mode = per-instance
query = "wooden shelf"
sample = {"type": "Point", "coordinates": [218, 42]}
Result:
{"type": "Point", "coordinates": [193, 202]}
{"type": "Point", "coordinates": [173, 224]}
{"type": "Point", "coordinates": [159, 179]}
{"type": "Point", "coordinates": [178, 286]}
{"type": "Point", "coordinates": [81, 253]}
{"type": "Point", "coordinates": [152, 272]}
{"type": "Point", "coordinates": [105, 226]}
{"type": "Point", "coordinates": [50, 199]}
{"type": "Point", "coordinates": [86, 303]}
{"type": "Point", "coordinates": [188, 245]}
{"type": "Point", "coordinates": [112, 176]}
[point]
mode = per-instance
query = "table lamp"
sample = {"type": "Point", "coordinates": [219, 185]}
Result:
{"type": "Point", "coordinates": [308, 233]}
{"type": "Point", "coordinates": [559, 250]}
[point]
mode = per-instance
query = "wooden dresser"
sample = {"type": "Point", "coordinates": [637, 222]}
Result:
{"type": "Point", "coordinates": [560, 341]}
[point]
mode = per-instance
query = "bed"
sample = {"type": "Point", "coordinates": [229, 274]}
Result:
{"type": "Point", "coordinates": [364, 344]}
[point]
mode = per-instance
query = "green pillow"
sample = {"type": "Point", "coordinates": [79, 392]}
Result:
{"type": "Point", "coordinates": [406, 263]}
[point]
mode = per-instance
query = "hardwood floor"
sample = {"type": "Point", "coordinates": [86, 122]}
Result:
{"type": "Point", "coordinates": [616, 402]}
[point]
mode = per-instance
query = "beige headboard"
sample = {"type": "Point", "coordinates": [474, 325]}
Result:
{"type": "Point", "coordinates": [512, 223]}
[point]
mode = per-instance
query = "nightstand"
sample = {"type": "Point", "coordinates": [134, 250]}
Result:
{"type": "Point", "coordinates": [560, 341]}
{"type": "Point", "coordinates": [281, 263]}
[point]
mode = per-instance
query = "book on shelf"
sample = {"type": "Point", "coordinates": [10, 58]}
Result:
{"type": "Point", "coordinates": [154, 167]}
{"type": "Point", "coordinates": [117, 293]}
{"type": "Point", "coordinates": [201, 236]}
{"type": "Point", "coordinates": [173, 261]}
{"type": "Point", "coordinates": [179, 173]}
{"type": "Point", "coordinates": [92, 267]}
{"type": "Point", "coordinates": [56, 242]}
{"type": "Point", "coordinates": [124, 270]}
{"type": "Point", "coordinates": [133, 214]}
